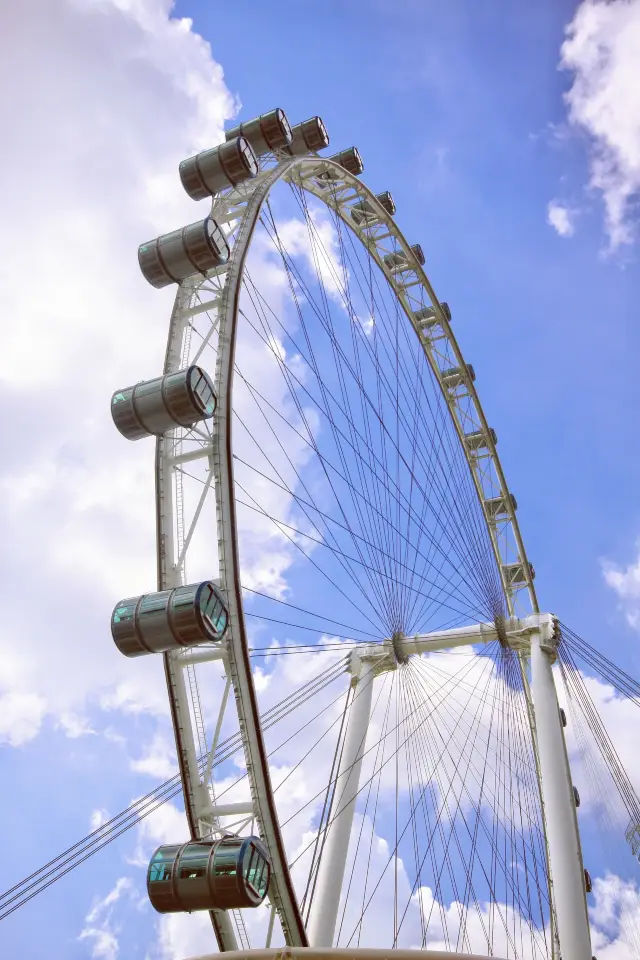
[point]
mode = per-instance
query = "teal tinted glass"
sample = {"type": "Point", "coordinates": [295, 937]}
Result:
{"type": "Point", "coordinates": [124, 612]}
{"type": "Point", "coordinates": [264, 881]}
{"type": "Point", "coordinates": [258, 873]}
{"type": "Point", "coordinates": [194, 861]}
{"type": "Point", "coordinates": [203, 391]}
{"type": "Point", "coordinates": [160, 867]}
{"type": "Point", "coordinates": [213, 609]}
{"type": "Point", "coordinates": [226, 861]}
{"type": "Point", "coordinates": [184, 596]}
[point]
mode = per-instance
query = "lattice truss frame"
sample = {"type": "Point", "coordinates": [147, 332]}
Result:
{"type": "Point", "coordinates": [216, 295]}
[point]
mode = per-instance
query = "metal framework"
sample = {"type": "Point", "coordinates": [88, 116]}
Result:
{"type": "Point", "coordinates": [238, 210]}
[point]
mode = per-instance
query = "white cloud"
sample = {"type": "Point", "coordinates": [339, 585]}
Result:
{"type": "Point", "coordinates": [602, 50]}
{"type": "Point", "coordinates": [319, 247]}
{"type": "Point", "coordinates": [75, 725]}
{"type": "Point", "coordinates": [98, 818]}
{"type": "Point", "coordinates": [158, 760]}
{"type": "Point", "coordinates": [119, 91]}
{"type": "Point", "coordinates": [560, 218]}
{"type": "Point", "coordinates": [625, 581]}
{"type": "Point", "coordinates": [99, 928]}
{"type": "Point", "coordinates": [21, 716]}
{"type": "Point", "coordinates": [615, 918]}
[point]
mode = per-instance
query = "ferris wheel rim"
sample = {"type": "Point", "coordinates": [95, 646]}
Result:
{"type": "Point", "coordinates": [224, 371]}
{"type": "Point", "coordinates": [285, 898]}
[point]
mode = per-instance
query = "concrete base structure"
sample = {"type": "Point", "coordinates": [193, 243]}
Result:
{"type": "Point", "coordinates": [339, 953]}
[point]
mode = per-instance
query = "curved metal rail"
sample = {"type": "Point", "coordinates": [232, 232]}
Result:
{"type": "Point", "coordinates": [239, 209]}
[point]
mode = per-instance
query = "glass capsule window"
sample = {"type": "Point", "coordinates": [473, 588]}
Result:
{"type": "Point", "coordinates": [125, 611]}
{"type": "Point", "coordinates": [162, 864]}
{"type": "Point", "coordinates": [213, 610]}
{"type": "Point", "coordinates": [201, 386]}
{"type": "Point", "coordinates": [226, 861]}
{"type": "Point", "coordinates": [194, 862]}
{"type": "Point", "coordinates": [257, 871]}
{"type": "Point", "coordinates": [207, 874]}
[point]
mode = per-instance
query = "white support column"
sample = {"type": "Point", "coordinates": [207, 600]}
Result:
{"type": "Point", "coordinates": [326, 899]}
{"type": "Point", "coordinates": [557, 791]}
{"type": "Point", "coordinates": [447, 639]}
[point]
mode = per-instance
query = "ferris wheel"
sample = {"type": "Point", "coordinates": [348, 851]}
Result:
{"type": "Point", "coordinates": [369, 742]}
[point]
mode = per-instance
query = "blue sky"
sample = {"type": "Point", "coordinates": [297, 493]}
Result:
{"type": "Point", "coordinates": [458, 109]}
{"type": "Point", "coordinates": [463, 112]}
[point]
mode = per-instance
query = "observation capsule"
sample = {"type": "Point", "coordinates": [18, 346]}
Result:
{"type": "Point", "coordinates": [588, 885]}
{"type": "Point", "coordinates": [196, 248]}
{"type": "Point", "coordinates": [350, 160]}
{"type": "Point", "coordinates": [223, 166]}
{"type": "Point", "coordinates": [270, 131]}
{"type": "Point", "coordinates": [498, 506]}
{"type": "Point", "coordinates": [169, 620]}
{"type": "Point", "coordinates": [308, 137]}
{"type": "Point", "coordinates": [427, 317]}
{"type": "Point", "coordinates": [515, 573]}
{"type": "Point", "coordinates": [576, 797]}
{"type": "Point", "coordinates": [363, 210]}
{"type": "Point", "coordinates": [155, 406]}
{"type": "Point", "coordinates": [456, 376]}
{"type": "Point", "coordinates": [398, 260]}
{"type": "Point", "coordinates": [225, 874]}
{"type": "Point", "coordinates": [478, 439]}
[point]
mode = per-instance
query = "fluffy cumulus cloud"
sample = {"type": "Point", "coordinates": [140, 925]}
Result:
{"type": "Point", "coordinates": [106, 98]}
{"type": "Point", "coordinates": [100, 930]}
{"type": "Point", "coordinates": [560, 218]}
{"type": "Point", "coordinates": [602, 51]}
{"type": "Point", "coordinates": [625, 581]}
{"type": "Point", "coordinates": [118, 92]}
{"type": "Point", "coordinates": [615, 918]}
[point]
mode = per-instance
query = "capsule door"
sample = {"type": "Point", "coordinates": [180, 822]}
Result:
{"type": "Point", "coordinates": [192, 882]}
{"type": "Point", "coordinates": [160, 878]}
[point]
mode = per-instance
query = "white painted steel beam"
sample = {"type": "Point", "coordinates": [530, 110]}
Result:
{"type": "Point", "coordinates": [557, 790]}
{"type": "Point", "coordinates": [342, 953]}
{"type": "Point", "coordinates": [198, 454]}
{"type": "Point", "coordinates": [446, 639]}
{"type": "Point", "coordinates": [205, 655]}
{"type": "Point", "coordinates": [326, 900]}
{"type": "Point", "coordinates": [231, 809]}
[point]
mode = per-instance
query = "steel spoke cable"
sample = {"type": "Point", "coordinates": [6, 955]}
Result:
{"type": "Point", "coordinates": [453, 543]}
{"type": "Point", "coordinates": [312, 505]}
{"type": "Point", "coordinates": [394, 851]}
{"type": "Point", "coordinates": [375, 773]}
{"type": "Point", "coordinates": [320, 379]}
{"type": "Point", "coordinates": [497, 804]}
{"type": "Point", "coordinates": [426, 755]}
{"type": "Point", "coordinates": [466, 613]}
{"type": "Point", "coordinates": [450, 680]}
{"type": "Point", "coordinates": [318, 616]}
{"type": "Point", "coordinates": [466, 825]}
{"type": "Point", "coordinates": [346, 566]}
{"type": "Point", "coordinates": [303, 388]}
{"type": "Point", "coordinates": [470, 797]}
{"type": "Point", "coordinates": [395, 339]}
{"type": "Point", "coordinates": [493, 796]}
{"type": "Point", "coordinates": [298, 532]}
{"type": "Point", "coordinates": [338, 224]}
